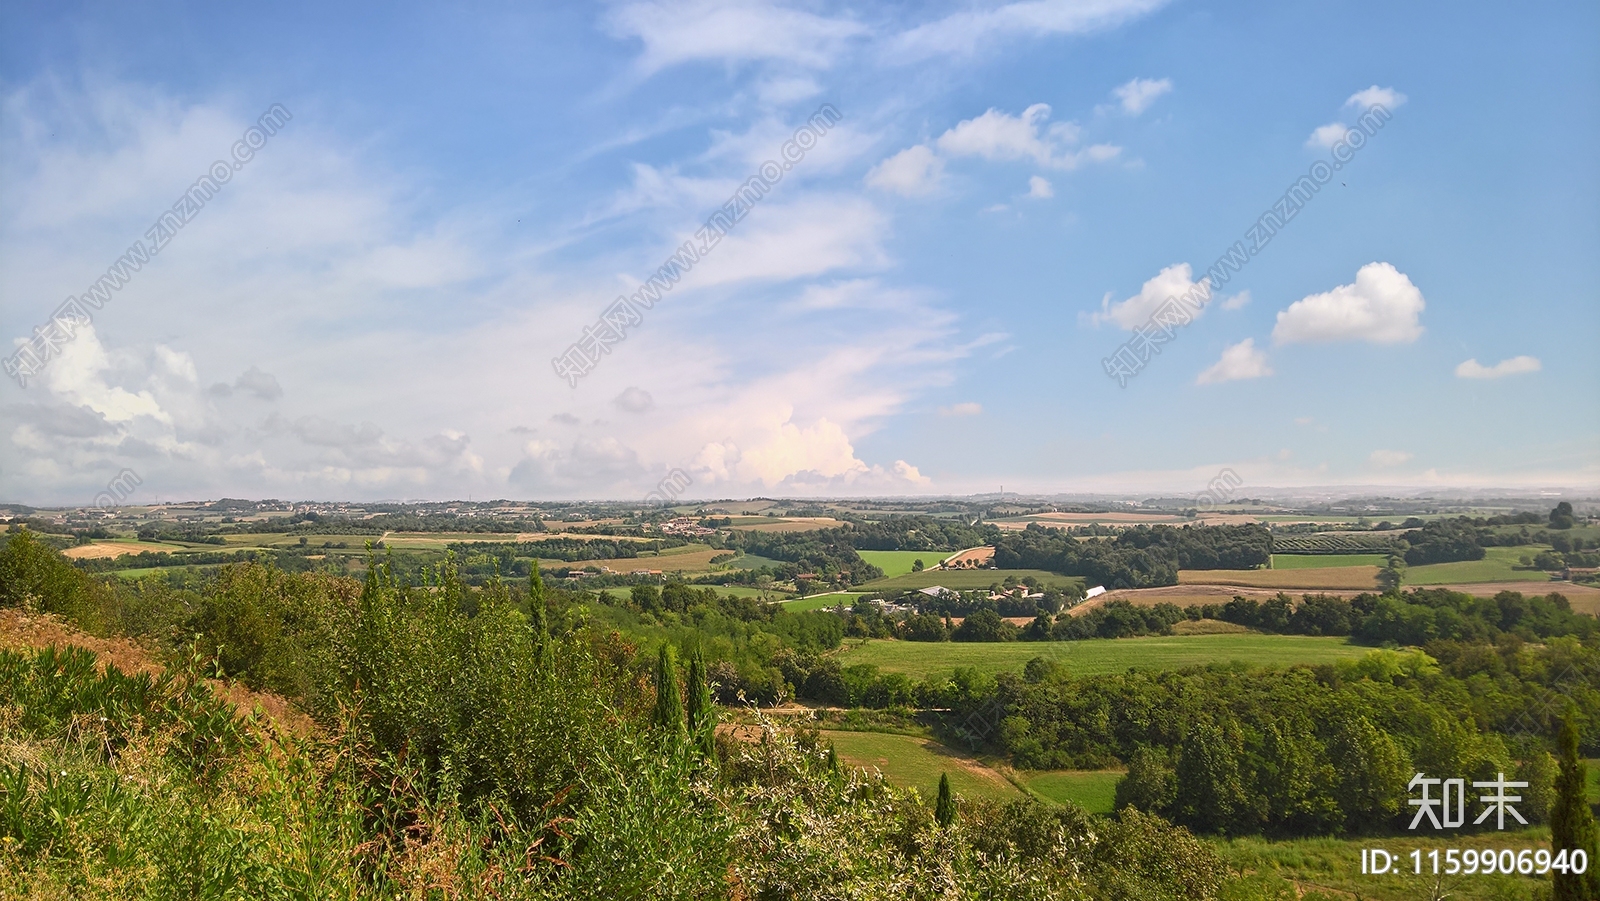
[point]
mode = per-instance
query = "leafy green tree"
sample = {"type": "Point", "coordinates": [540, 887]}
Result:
{"type": "Point", "coordinates": [1373, 771]}
{"type": "Point", "coordinates": [1561, 517]}
{"type": "Point", "coordinates": [917, 566]}
{"type": "Point", "coordinates": [702, 713]}
{"type": "Point", "coordinates": [669, 700]}
{"type": "Point", "coordinates": [1150, 784]}
{"type": "Point", "coordinates": [1211, 794]}
{"type": "Point", "coordinates": [944, 808]}
{"type": "Point", "coordinates": [1572, 824]}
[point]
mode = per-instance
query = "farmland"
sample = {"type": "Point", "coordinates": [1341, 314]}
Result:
{"type": "Point", "coordinates": [919, 659]}
{"type": "Point", "coordinates": [898, 563]}
{"type": "Point", "coordinates": [915, 762]}
{"type": "Point", "coordinates": [1349, 577]}
{"type": "Point", "coordinates": [1498, 565]}
{"type": "Point", "coordinates": [1326, 561]}
{"type": "Point", "coordinates": [969, 579]}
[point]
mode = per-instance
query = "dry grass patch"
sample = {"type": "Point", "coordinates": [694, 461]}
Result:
{"type": "Point", "coordinates": [1345, 577]}
{"type": "Point", "coordinates": [103, 550]}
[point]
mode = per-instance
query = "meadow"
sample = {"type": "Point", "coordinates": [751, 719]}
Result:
{"type": "Point", "coordinates": [1498, 565]}
{"type": "Point", "coordinates": [911, 761]}
{"type": "Point", "coordinates": [1093, 790]}
{"type": "Point", "coordinates": [919, 659]}
{"type": "Point", "coordinates": [898, 563]}
{"type": "Point", "coordinates": [969, 579]}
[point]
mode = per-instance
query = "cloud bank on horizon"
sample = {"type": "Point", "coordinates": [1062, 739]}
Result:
{"type": "Point", "coordinates": [919, 304]}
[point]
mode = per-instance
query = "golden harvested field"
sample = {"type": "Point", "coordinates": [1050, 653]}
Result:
{"type": "Point", "coordinates": [1584, 598]}
{"type": "Point", "coordinates": [694, 560]}
{"type": "Point", "coordinates": [972, 558]}
{"type": "Point", "coordinates": [793, 524]}
{"type": "Point", "coordinates": [1353, 577]}
{"type": "Point", "coordinates": [107, 549]}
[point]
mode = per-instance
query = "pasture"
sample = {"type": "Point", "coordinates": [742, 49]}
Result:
{"type": "Point", "coordinates": [914, 762]}
{"type": "Point", "coordinates": [898, 563]}
{"type": "Point", "coordinates": [1093, 790]}
{"type": "Point", "coordinates": [821, 601]}
{"type": "Point", "coordinates": [1326, 561]}
{"type": "Point", "coordinates": [970, 579]}
{"type": "Point", "coordinates": [1499, 564]}
{"type": "Point", "coordinates": [919, 659]}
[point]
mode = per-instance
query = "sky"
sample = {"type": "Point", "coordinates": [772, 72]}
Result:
{"type": "Point", "coordinates": [928, 295]}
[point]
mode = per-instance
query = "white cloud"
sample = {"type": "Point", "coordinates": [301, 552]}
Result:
{"type": "Point", "coordinates": [1328, 135]}
{"type": "Point", "coordinates": [1137, 95]}
{"type": "Point", "coordinates": [1039, 188]}
{"type": "Point", "coordinates": [679, 31]}
{"type": "Point", "coordinates": [634, 399]}
{"type": "Point", "coordinates": [999, 136]}
{"type": "Point", "coordinates": [1472, 369]}
{"type": "Point", "coordinates": [912, 172]}
{"type": "Point", "coordinates": [967, 408]}
{"type": "Point", "coordinates": [1173, 281]}
{"type": "Point", "coordinates": [966, 32]}
{"type": "Point", "coordinates": [1389, 457]}
{"type": "Point", "coordinates": [1239, 361]}
{"type": "Point", "coordinates": [1368, 98]}
{"type": "Point", "coordinates": [1237, 301]}
{"type": "Point", "coordinates": [1382, 306]}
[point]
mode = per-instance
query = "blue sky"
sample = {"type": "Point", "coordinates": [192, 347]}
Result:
{"type": "Point", "coordinates": [370, 306]}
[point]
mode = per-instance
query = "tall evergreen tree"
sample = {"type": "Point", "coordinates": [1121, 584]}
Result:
{"type": "Point", "coordinates": [669, 702]}
{"type": "Point", "coordinates": [944, 809]}
{"type": "Point", "coordinates": [1572, 823]}
{"type": "Point", "coordinates": [538, 623]}
{"type": "Point", "coordinates": [702, 712]}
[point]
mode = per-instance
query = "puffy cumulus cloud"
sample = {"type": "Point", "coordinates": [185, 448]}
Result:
{"type": "Point", "coordinates": [966, 408]}
{"type": "Point", "coordinates": [680, 31]}
{"type": "Point", "coordinates": [1172, 282]}
{"type": "Point", "coordinates": [966, 32]}
{"type": "Point", "coordinates": [1237, 302]}
{"type": "Point", "coordinates": [1388, 458]}
{"type": "Point", "coordinates": [1367, 98]}
{"type": "Point", "coordinates": [80, 376]}
{"type": "Point", "coordinates": [999, 136]}
{"type": "Point", "coordinates": [1382, 306]}
{"type": "Point", "coordinates": [634, 399]}
{"type": "Point", "coordinates": [1472, 369]}
{"type": "Point", "coordinates": [1239, 361]}
{"type": "Point", "coordinates": [1137, 95]}
{"type": "Point", "coordinates": [1327, 135]}
{"type": "Point", "coordinates": [1039, 188]}
{"type": "Point", "coordinates": [913, 172]}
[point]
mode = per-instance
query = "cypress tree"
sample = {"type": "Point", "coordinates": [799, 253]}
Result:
{"type": "Point", "coordinates": [669, 703]}
{"type": "Point", "coordinates": [702, 713]}
{"type": "Point", "coordinates": [944, 809]}
{"type": "Point", "coordinates": [538, 623]}
{"type": "Point", "coordinates": [1572, 823]}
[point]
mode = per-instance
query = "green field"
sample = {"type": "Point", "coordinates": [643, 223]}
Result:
{"type": "Point", "coordinates": [1093, 790]}
{"type": "Point", "coordinates": [1322, 561]}
{"type": "Point", "coordinates": [820, 602]}
{"type": "Point", "coordinates": [1325, 864]}
{"type": "Point", "coordinates": [898, 563]}
{"type": "Point", "coordinates": [969, 579]}
{"type": "Point", "coordinates": [1496, 566]}
{"type": "Point", "coordinates": [918, 659]}
{"type": "Point", "coordinates": [913, 762]}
